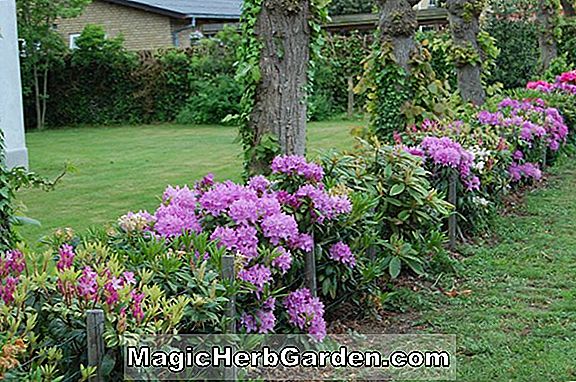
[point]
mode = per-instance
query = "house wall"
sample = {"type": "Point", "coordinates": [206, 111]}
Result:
{"type": "Point", "coordinates": [141, 30]}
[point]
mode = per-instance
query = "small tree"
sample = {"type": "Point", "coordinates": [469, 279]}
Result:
{"type": "Point", "coordinates": [464, 18]}
{"type": "Point", "coordinates": [43, 46]}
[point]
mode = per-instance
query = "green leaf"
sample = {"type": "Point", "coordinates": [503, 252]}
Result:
{"type": "Point", "coordinates": [394, 267]}
{"type": "Point", "coordinates": [397, 189]}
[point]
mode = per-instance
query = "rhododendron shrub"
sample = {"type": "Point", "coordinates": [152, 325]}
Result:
{"type": "Point", "coordinates": [565, 83]}
{"type": "Point", "coordinates": [490, 150]}
{"type": "Point", "coordinates": [44, 299]}
{"type": "Point", "coordinates": [397, 216]}
{"type": "Point", "coordinates": [268, 224]}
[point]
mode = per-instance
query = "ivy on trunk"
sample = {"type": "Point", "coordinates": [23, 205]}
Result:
{"type": "Point", "coordinates": [464, 23]}
{"type": "Point", "coordinates": [546, 15]}
{"type": "Point", "coordinates": [278, 42]}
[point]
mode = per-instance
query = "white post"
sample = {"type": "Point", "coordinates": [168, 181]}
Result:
{"type": "Point", "coordinates": [11, 113]}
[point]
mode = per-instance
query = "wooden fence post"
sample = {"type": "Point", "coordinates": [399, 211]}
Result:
{"type": "Point", "coordinates": [544, 155]}
{"type": "Point", "coordinates": [229, 273]}
{"type": "Point", "coordinates": [310, 269]}
{"type": "Point", "coordinates": [95, 339]}
{"type": "Point", "coordinates": [350, 97]}
{"type": "Point", "coordinates": [453, 199]}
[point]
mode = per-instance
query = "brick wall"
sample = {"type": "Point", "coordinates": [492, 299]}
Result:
{"type": "Point", "coordinates": [141, 30]}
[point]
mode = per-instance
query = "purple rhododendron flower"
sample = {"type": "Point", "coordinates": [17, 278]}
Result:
{"type": "Point", "coordinates": [87, 286]}
{"type": "Point", "coordinates": [297, 165]}
{"type": "Point", "coordinates": [66, 260]}
{"type": "Point", "coordinates": [257, 275]}
{"type": "Point", "coordinates": [306, 311]}
{"type": "Point", "coordinates": [278, 227]}
{"type": "Point", "coordinates": [283, 261]}
{"type": "Point", "coordinates": [342, 253]}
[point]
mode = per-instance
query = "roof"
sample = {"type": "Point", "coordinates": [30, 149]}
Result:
{"type": "Point", "coordinates": [214, 9]}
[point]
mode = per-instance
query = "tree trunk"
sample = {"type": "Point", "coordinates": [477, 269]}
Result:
{"type": "Point", "coordinates": [546, 39]}
{"type": "Point", "coordinates": [44, 97]}
{"type": "Point", "coordinates": [398, 25]}
{"type": "Point", "coordinates": [464, 23]}
{"type": "Point", "coordinates": [280, 101]}
{"type": "Point", "coordinates": [568, 7]}
{"type": "Point", "coordinates": [37, 100]}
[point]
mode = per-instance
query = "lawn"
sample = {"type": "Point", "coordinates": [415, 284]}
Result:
{"type": "Point", "coordinates": [516, 320]}
{"type": "Point", "coordinates": [127, 168]}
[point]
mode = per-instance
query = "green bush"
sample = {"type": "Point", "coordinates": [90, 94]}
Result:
{"type": "Point", "coordinates": [519, 54]}
{"type": "Point", "coordinates": [212, 101]}
{"type": "Point", "coordinates": [402, 224]}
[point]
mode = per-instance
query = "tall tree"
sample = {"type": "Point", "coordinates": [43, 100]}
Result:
{"type": "Point", "coordinates": [274, 64]}
{"type": "Point", "coordinates": [43, 45]}
{"type": "Point", "coordinates": [398, 26]}
{"type": "Point", "coordinates": [464, 18]}
{"type": "Point", "coordinates": [546, 15]}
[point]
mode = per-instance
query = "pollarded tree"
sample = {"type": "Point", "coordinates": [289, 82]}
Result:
{"type": "Point", "coordinates": [464, 18]}
{"type": "Point", "coordinates": [278, 37]}
{"type": "Point", "coordinates": [547, 15]}
{"type": "Point", "coordinates": [398, 26]}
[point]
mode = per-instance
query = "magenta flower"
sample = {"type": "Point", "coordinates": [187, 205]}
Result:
{"type": "Point", "coordinates": [87, 286]}
{"type": "Point", "coordinates": [341, 252]}
{"type": "Point", "coordinates": [305, 311]}
{"type": "Point", "coordinates": [8, 289]}
{"type": "Point", "coordinates": [66, 260]}
{"type": "Point", "coordinates": [283, 260]}
{"type": "Point", "coordinates": [257, 275]}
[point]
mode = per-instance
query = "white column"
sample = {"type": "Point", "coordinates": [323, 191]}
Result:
{"type": "Point", "coordinates": [11, 114]}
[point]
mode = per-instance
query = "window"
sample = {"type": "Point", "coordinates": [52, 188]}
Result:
{"type": "Point", "coordinates": [72, 40]}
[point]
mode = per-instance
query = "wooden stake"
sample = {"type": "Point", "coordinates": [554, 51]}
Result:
{"type": "Point", "coordinates": [95, 339]}
{"type": "Point", "coordinates": [310, 270]}
{"type": "Point", "coordinates": [350, 97]}
{"type": "Point", "coordinates": [453, 199]}
{"type": "Point", "coordinates": [229, 273]}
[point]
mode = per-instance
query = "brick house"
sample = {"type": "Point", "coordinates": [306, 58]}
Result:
{"type": "Point", "coordinates": [150, 24]}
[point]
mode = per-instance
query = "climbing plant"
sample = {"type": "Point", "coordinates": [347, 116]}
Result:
{"type": "Point", "coordinates": [261, 146]}
{"type": "Point", "coordinates": [398, 97]}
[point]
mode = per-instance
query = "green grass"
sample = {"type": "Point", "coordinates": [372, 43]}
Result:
{"type": "Point", "coordinates": [519, 322]}
{"type": "Point", "coordinates": [127, 168]}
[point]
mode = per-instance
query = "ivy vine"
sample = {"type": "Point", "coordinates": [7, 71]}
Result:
{"type": "Point", "coordinates": [248, 73]}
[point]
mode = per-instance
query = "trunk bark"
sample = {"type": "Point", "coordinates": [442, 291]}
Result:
{"type": "Point", "coordinates": [568, 7]}
{"type": "Point", "coordinates": [398, 26]}
{"type": "Point", "coordinates": [280, 104]}
{"type": "Point", "coordinates": [37, 100]}
{"type": "Point", "coordinates": [546, 40]}
{"type": "Point", "coordinates": [44, 97]}
{"type": "Point", "coordinates": [464, 23]}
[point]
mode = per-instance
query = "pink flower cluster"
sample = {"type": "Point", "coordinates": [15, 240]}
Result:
{"type": "Point", "coordinates": [566, 82]}
{"type": "Point", "coordinates": [306, 311]}
{"type": "Point", "coordinates": [530, 119]}
{"type": "Point", "coordinates": [526, 170]}
{"type": "Point", "coordinates": [297, 165]}
{"type": "Point", "coordinates": [12, 264]}
{"type": "Point", "coordinates": [445, 152]}
{"type": "Point", "coordinates": [103, 288]}
{"type": "Point", "coordinates": [273, 213]}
